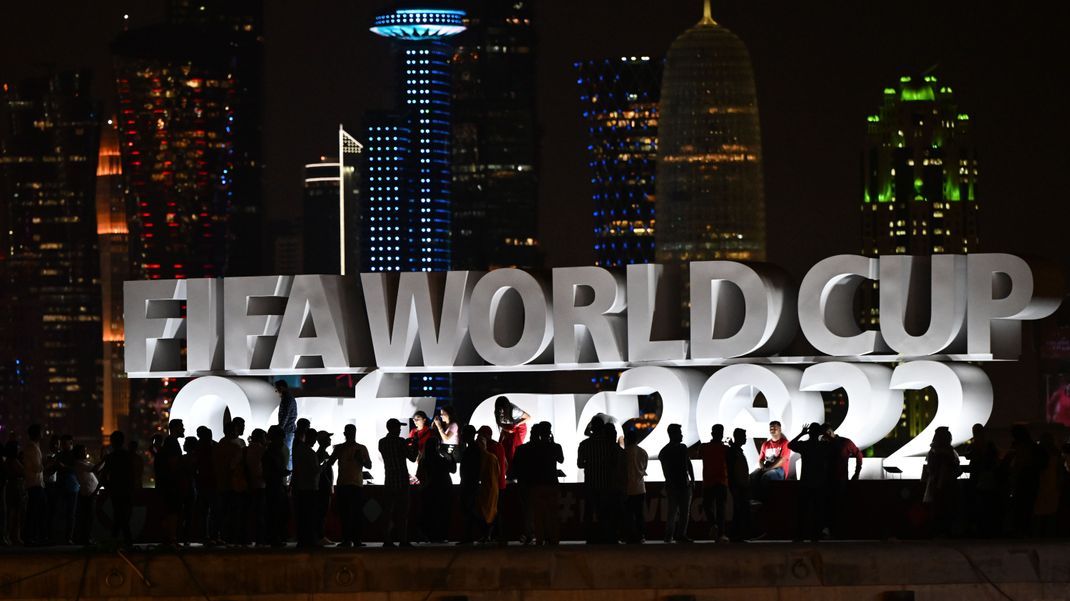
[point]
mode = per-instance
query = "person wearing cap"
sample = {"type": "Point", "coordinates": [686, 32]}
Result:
{"type": "Point", "coordinates": [353, 459]}
{"type": "Point", "coordinates": [396, 453]}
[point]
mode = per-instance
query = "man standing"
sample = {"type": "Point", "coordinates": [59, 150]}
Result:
{"type": "Point", "coordinates": [117, 476]}
{"type": "Point", "coordinates": [353, 459]}
{"type": "Point", "coordinates": [739, 484]}
{"type": "Point", "coordinates": [843, 450]}
{"type": "Point", "coordinates": [305, 482]}
{"type": "Point", "coordinates": [601, 460]}
{"type": "Point", "coordinates": [287, 415]}
{"type": "Point", "coordinates": [275, 461]}
{"type": "Point", "coordinates": [679, 482]}
{"type": "Point", "coordinates": [396, 453]}
{"type": "Point", "coordinates": [816, 459]}
{"type": "Point", "coordinates": [635, 462]}
{"type": "Point", "coordinates": [715, 482]}
{"type": "Point", "coordinates": [167, 484]}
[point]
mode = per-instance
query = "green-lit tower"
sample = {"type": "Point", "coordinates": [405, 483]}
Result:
{"type": "Point", "coordinates": [919, 194]}
{"type": "Point", "coordinates": [920, 173]}
{"type": "Point", "coordinates": [710, 191]}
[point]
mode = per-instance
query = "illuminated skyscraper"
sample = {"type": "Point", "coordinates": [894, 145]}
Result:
{"type": "Point", "coordinates": [407, 216]}
{"type": "Point", "coordinates": [495, 137]}
{"type": "Point", "coordinates": [409, 169]}
{"type": "Point", "coordinates": [919, 195]}
{"type": "Point", "coordinates": [113, 238]}
{"type": "Point", "coordinates": [710, 192]}
{"type": "Point", "coordinates": [189, 129]}
{"type": "Point", "coordinates": [920, 170]}
{"type": "Point", "coordinates": [332, 194]}
{"type": "Point", "coordinates": [620, 108]}
{"type": "Point", "coordinates": [51, 299]}
{"type": "Point", "coordinates": [189, 94]}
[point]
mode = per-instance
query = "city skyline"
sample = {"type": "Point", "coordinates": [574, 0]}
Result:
{"type": "Point", "coordinates": [798, 221]}
{"type": "Point", "coordinates": [810, 100]}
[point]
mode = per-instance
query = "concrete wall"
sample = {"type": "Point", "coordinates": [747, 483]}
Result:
{"type": "Point", "coordinates": [751, 572]}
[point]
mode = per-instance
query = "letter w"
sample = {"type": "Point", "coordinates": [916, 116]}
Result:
{"type": "Point", "coordinates": [420, 318]}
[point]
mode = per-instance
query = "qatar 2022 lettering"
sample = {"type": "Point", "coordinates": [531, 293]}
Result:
{"type": "Point", "coordinates": [940, 317]}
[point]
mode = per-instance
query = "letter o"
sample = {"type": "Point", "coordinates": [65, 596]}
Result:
{"type": "Point", "coordinates": [494, 315]}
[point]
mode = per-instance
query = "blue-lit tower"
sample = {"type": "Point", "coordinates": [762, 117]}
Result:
{"type": "Point", "coordinates": [416, 197]}
{"type": "Point", "coordinates": [407, 218]}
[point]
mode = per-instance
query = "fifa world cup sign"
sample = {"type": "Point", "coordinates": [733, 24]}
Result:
{"type": "Point", "coordinates": [939, 317]}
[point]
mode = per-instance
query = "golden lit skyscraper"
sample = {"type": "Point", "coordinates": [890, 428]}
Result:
{"type": "Point", "coordinates": [710, 192]}
{"type": "Point", "coordinates": [113, 240]}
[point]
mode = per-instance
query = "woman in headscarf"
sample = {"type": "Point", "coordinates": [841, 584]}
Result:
{"type": "Point", "coordinates": [941, 470]}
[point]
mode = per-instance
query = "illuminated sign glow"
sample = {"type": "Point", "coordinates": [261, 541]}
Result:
{"type": "Point", "coordinates": [742, 317]}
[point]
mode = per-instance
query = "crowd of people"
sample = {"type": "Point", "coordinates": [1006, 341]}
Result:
{"type": "Point", "coordinates": [241, 490]}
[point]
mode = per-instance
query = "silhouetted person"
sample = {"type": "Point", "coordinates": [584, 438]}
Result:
{"type": "Point", "coordinates": [938, 476]}
{"type": "Point", "coordinates": [715, 481]}
{"type": "Point", "coordinates": [436, 490]}
{"type": "Point", "coordinates": [167, 485]}
{"type": "Point", "coordinates": [275, 463]}
{"type": "Point", "coordinates": [326, 486]}
{"type": "Point", "coordinates": [489, 486]}
{"type": "Point", "coordinates": [679, 483]}
{"type": "Point", "coordinates": [256, 501]}
{"type": "Point", "coordinates": [208, 504]}
{"type": "Point", "coordinates": [396, 453]}
{"type": "Point", "coordinates": [983, 498]}
{"type": "Point", "coordinates": [543, 459]}
{"type": "Point", "coordinates": [117, 476]}
{"type": "Point", "coordinates": [817, 463]}
{"type": "Point", "coordinates": [352, 458]}
{"type": "Point", "coordinates": [601, 459]}
{"type": "Point", "coordinates": [584, 452]}
{"type": "Point", "coordinates": [739, 485]}
{"type": "Point", "coordinates": [635, 464]}
{"type": "Point", "coordinates": [471, 465]}
{"type": "Point", "coordinates": [37, 525]}
{"type": "Point", "coordinates": [287, 415]}
{"type": "Point", "coordinates": [187, 484]}
{"type": "Point", "coordinates": [66, 488]}
{"type": "Point", "coordinates": [305, 483]}
{"type": "Point", "coordinates": [485, 436]}
{"type": "Point", "coordinates": [843, 450]}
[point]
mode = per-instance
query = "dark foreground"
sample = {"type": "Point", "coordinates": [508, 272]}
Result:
{"type": "Point", "coordinates": [725, 572]}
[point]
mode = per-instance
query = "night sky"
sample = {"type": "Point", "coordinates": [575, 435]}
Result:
{"type": "Point", "coordinates": [820, 68]}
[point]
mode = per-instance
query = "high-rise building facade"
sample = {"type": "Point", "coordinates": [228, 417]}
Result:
{"type": "Point", "coordinates": [920, 173]}
{"type": "Point", "coordinates": [51, 301]}
{"type": "Point", "coordinates": [495, 137]}
{"type": "Point", "coordinates": [710, 191]}
{"type": "Point", "coordinates": [113, 241]}
{"type": "Point", "coordinates": [919, 195]}
{"type": "Point", "coordinates": [189, 129]}
{"type": "Point", "coordinates": [407, 212]}
{"type": "Point", "coordinates": [189, 99]}
{"type": "Point", "coordinates": [423, 208]}
{"type": "Point", "coordinates": [619, 98]}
